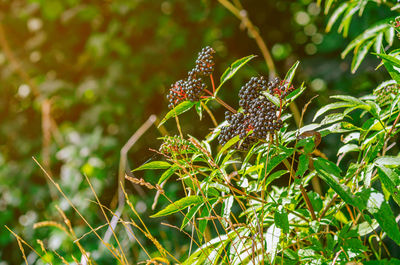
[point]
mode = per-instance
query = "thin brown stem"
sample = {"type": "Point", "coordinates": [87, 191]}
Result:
{"type": "Point", "coordinates": [220, 101]}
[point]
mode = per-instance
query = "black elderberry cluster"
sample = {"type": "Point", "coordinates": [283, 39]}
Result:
{"type": "Point", "coordinates": [189, 89]}
{"type": "Point", "coordinates": [192, 88]}
{"type": "Point", "coordinates": [384, 94]}
{"type": "Point", "coordinates": [259, 116]}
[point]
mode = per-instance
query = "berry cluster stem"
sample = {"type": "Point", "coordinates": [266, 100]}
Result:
{"type": "Point", "coordinates": [220, 101]}
{"type": "Point", "coordinates": [212, 83]}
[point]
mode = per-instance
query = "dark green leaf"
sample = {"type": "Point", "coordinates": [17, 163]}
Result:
{"type": "Point", "coordinates": [302, 166]}
{"type": "Point", "coordinates": [281, 219]}
{"type": "Point", "coordinates": [330, 173]}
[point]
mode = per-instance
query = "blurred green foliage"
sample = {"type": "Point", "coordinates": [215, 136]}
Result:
{"type": "Point", "coordinates": [105, 66]}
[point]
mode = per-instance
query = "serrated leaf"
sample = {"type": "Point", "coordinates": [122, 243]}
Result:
{"type": "Point", "coordinates": [179, 109]}
{"type": "Point", "coordinates": [389, 35]}
{"type": "Point", "coordinates": [179, 205]}
{"type": "Point", "coordinates": [347, 17]}
{"type": "Point", "coordinates": [378, 43]}
{"type": "Point", "coordinates": [296, 93]}
{"type": "Point", "coordinates": [153, 165]}
{"type": "Point", "coordinates": [274, 176]}
{"type": "Point", "coordinates": [331, 118]}
{"type": "Point", "coordinates": [392, 65]}
{"type": "Point", "coordinates": [232, 69]}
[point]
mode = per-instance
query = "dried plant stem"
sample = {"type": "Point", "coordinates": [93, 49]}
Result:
{"type": "Point", "coordinates": [76, 210]}
{"type": "Point", "coordinates": [242, 15]}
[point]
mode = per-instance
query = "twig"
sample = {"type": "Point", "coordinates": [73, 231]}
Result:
{"type": "Point", "coordinates": [242, 15]}
{"type": "Point", "coordinates": [220, 101]}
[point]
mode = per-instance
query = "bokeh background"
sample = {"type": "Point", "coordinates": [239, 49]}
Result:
{"type": "Point", "coordinates": [79, 77]}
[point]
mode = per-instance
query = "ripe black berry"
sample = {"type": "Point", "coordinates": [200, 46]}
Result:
{"type": "Point", "coordinates": [205, 62]}
{"type": "Point", "coordinates": [190, 89]}
{"type": "Point", "coordinates": [259, 116]}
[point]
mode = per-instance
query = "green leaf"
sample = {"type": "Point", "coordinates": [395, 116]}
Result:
{"type": "Point", "coordinates": [179, 205]}
{"type": "Point", "coordinates": [360, 55]}
{"type": "Point", "coordinates": [232, 69]}
{"type": "Point", "coordinates": [302, 165]}
{"type": "Point", "coordinates": [391, 181]}
{"type": "Point", "coordinates": [227, 209]}
{"type": "Point", "coordinates": [290, 74]}
{"type": "Point", "coordinates": [389, 35]}
{"type": "Point", "coordinates": [190, 214]}
{"type": "Point", "coordinates": [392, 261]}
{"type": "Point", "coordinates": [392, 65]}
{"type": "Point", "coordinates": [367, 34]}
{"type": "Point", "coordinates": [391, 161]}
{"type": "Point", "coordinates": [199, 109]}
{"type": "Point", "coordinates": [274, 176]}
{"type": "Point", "coordinates": [330, 173]}
{"type": "Point", "coordinates": [296, 93]}
{"type": "Point", "coordinates": [331, 106]}
{"type": "Point", "coordinates": [271, 98]}
{"type": "Point", "coordinates": [230, 143]}
{"type": "Point", "coordinates": [334, 17]}
{"type": "Point", "coordinates": [375, 204]}
{"type": "Point", "coordinates": [281, 219]}
{"type": "Point", "coordinates": [179, 109]}
{"type": "Point", "coordinates": [168, 173]}
{"type": "Point", "coordinates": [348, 148]}
{"type": "Point", "coordinates": [378, 43]}
{"type": "Point", "coordinates": [204, 215]}
{"type": "Point", "coordinates": [153, 165]}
